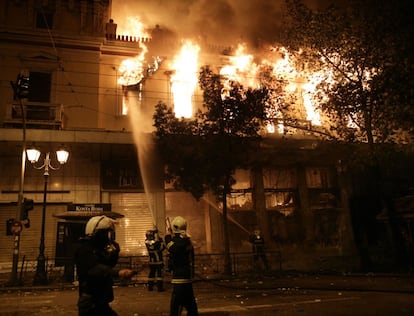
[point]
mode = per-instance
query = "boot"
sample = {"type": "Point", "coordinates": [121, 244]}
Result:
{"type": "Point", "coordinates": [160, 286]}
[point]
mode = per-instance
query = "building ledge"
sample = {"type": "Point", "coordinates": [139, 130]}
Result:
{"type": "Point", "coordinates": [68, 136]}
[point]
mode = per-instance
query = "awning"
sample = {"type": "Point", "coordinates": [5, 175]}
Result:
{"type": "Point", "coordinates": [86, 215]}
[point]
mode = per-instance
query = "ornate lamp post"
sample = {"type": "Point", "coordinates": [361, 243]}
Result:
{"type": "Point", "coordinates": [33, 156]}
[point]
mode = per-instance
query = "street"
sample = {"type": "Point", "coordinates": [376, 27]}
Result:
{"type": "Point", "coordinates": [224, 298]}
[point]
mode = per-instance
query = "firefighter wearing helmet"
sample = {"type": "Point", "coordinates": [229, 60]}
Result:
{"type": "Point", "coordinates": [95, 260]}
{"type": "Point", "coordinates": [181, 255]}
{"type": "Point", "coordinates": [155, 247]}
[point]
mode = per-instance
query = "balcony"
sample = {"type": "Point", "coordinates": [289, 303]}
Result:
{"type": "Point", "coordinates": [38, 115]}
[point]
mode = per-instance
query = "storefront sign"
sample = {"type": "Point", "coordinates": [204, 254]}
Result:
{"type": "Point", "coordinates": [90, 207]}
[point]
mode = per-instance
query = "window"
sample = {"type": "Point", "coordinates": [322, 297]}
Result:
{"type": "Point", "coordinates": [280, 190]}
{"type": "Point", "coordinates": [44, 20]}
{"type": "Point", "coordinates": [318, 178]}
{"type": "Point", "coordinates": [280, 178]}
{"type": "Point", "coordinates": [239, 201]}
{"type": "Point", "coordinates": [40, 87]}
{"type": "Point", "coordinates": [284, 202]}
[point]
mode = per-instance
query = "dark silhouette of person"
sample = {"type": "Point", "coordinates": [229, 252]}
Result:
{"type": "Point", "coordinates": [181, 262]}
{"type": "Point", "coordinates": [95, 259]}
{"type": "Point", "coordinates": [155, 247]}
{"type": "Point", "coordinates": [258, 247]}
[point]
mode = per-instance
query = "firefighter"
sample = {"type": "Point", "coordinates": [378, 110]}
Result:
{"type": "Point", "coordinates": [155, 246]}
{"type": "Point", "coordinates": [95, 260]}
{"type": "Point", "coordinates": [258, 245]}
{"type": "Point", "coordinates": [181, 253]}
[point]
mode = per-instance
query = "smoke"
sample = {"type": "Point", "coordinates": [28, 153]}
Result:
{"type": "Point", "coordinates": [217, 22]}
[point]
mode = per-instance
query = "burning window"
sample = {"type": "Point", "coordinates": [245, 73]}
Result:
{"type": "Point", "coordinates": [282, 201]}
{"type": "Point", "coordinates": [184, 79]}
{"type": "Point", "coordinates": [240, 201]}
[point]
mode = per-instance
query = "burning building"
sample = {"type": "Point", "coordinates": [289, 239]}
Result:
{"type": "Point", "coordinates": [94, 87]}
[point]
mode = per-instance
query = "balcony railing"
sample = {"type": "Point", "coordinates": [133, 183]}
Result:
{"type": "Point", "coordinates": [38, 115]}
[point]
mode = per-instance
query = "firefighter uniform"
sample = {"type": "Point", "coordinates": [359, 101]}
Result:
{"type": "Point", "coordinates": [181, 253]}
{"type": "Point", "coordinates": [258, 246]}
{"type": "Point", "coordinates": [95, 259]}
{"type": "Point", "coordinates": [155, 247]}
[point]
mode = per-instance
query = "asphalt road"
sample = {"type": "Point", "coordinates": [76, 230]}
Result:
{"type": "Point", "coordinates": [229, 298]}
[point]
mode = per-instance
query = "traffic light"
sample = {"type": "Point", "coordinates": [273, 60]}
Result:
{"type": "Point", "coordinates": [9, 224]}
{"type": "Point", "coordinates": [27, 206]}
{"type": "Point", "coordinates": [23, 85]}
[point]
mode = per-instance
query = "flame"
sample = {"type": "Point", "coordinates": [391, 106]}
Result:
{"type": "Point", "coordinates": [241, 69]}
{"type": "Point", "coordinates": [308, 100]}
{"type": "Point", "coordinates": [132, 70]}
{"type": "Point", "coordinates": [184, 79]}
{"type": "Point", "coordinates": [283, 68]}
{"type": "Point", "coordinates": [132, 27]}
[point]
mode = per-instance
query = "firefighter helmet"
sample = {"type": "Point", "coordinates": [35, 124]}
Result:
{"type": "Point", "coordinates": [179, 225]}
{"type": "Point", "coordinates": [150, 234]}
{"type": "Point", "coordinates": [99, 223]}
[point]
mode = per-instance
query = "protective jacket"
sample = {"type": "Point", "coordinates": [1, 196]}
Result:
{"type": "Point", "coordinates": [181, 253]}
{"type": "Point", "coordinates": [155, 248]}
{"type": "Point", "coordinates": [257, 244]}
{"type": "Point", "coordinates": [94, 264]}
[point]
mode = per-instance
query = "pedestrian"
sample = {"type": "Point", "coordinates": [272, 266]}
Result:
{"type": "Point", "coordinates": [258, 247]}
{"type": "Point", "coordinates": [155, 247]}
{"type": "Point", "coordinates": [181, 261]}
{"type": "Point", "coordinates": [95, 260]}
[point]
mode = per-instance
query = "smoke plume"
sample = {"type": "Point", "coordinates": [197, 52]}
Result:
{"type": "Point", "coordinates": [217, 22]}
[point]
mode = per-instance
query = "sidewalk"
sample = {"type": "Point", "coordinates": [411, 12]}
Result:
{"type": "Point", "coordinates": [403, 283]}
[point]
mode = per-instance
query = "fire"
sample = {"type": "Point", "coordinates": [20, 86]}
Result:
{"type": "Point", "coordinates": [184, 79]}
{"type": "Point", "coordinates": [283, 68]}
{"type": "Point", "coordinates": [241, 69]}
{"type": "Point", "coordinates": [132, 27]}
{"type": "Point", "coordinates": [312, 114]}
{"type": "Point", "coordinates": [132, 70]}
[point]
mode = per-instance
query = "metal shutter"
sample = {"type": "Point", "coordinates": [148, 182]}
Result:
{"type": "Point", "coordinates": [130, 231]}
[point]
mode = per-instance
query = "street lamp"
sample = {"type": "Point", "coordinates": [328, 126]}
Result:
{"type": "Point", "coordinates": [33, 156]}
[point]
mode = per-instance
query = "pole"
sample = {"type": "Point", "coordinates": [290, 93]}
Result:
{"type": "Point", "coordinates": [16, 246]}
{"type": "Point", "coordinates": [40, 277]}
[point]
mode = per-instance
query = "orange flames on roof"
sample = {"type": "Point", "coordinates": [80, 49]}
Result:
{"type": "Point", "coordinates": [132, 27]}
{"type": "Point", "coordinates": [241, 67]}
